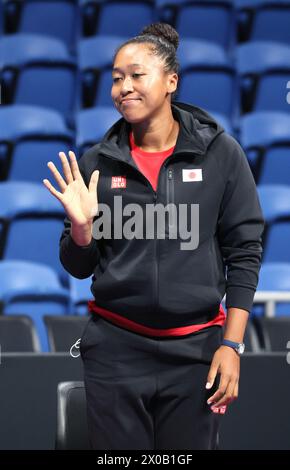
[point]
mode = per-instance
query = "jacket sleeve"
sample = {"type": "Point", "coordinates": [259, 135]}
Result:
{"type": "Point", "coordinates": [79, 261]}
{"type": "Point", "coordinates": [240, 228]}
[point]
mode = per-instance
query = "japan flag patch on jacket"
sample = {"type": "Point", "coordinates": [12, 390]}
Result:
{"type": "Point", "coordinates": [192, 175]}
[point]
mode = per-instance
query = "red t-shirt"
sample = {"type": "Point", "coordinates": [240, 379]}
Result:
{"type": "Point", "coordinates": [149, 163]}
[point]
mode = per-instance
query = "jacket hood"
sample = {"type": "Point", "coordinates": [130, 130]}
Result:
{"type": "Point", "coordinates": [198, 130]}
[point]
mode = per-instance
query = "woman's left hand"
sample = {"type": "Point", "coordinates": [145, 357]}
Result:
{"type": "Point", "coordinates": [225, 361]}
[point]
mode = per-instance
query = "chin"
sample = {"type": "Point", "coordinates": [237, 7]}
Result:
{"type": "Point", "coordinates": [132, 119]}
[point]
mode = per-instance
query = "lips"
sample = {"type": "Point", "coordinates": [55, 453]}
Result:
{"type": "Point", "coordinates": [126, 100]}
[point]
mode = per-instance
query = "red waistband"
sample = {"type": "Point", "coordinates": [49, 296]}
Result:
{"type": "Point", "coordinates": [145, 330]}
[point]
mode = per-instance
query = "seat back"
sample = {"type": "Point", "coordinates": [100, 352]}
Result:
{"type": "Point", "coordinates": [72, 429]}
{"type": "Point", "coordinates": [64, 331]}
{"type": "Point", "coordinates": [18, 334]}
{"type": "Point", "coordinates": [275, 332]}
{"type": "Point", "coordinates": [48, 18]}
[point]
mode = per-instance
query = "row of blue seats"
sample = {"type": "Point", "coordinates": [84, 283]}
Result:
{"type": "Point", "coordinates": [33, 289]}
{"type": "Point", "coordinates": [31, 136]}
{"type": "Point", "coordinates": [258, 78]}
{"type": "Point", "coordinates": [31, 222]}
{"type": "Point", "coordinates": [218, 21]}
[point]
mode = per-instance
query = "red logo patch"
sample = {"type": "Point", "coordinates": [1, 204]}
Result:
{"type": "Point", "coordinates": [192, 175]}
{"type": "Point", "coordinates": [119, 182]}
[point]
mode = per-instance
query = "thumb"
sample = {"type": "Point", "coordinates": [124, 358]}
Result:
{"type": "Point", "coordinates": [212, 374]}
{"type": "Point", "coordinates": [94, 181]}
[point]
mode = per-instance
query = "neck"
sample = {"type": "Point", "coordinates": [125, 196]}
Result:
{"type": "Point", "coordinates": [157, 135]}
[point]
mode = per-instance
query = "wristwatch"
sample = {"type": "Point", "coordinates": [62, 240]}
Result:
{"type": "Point", "coordinates": [238, 347]}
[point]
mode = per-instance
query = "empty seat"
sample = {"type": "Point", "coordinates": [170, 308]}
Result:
{"type": "Point", "coordinates": [265, 138]}
{"type": "Point", "coordinates": [31, 136]}
{"type": "Point", "coordinates": [116, 18]}
{"type": "Point", "coordinates": [210, 20]}
{"type": "Point", "coordinates": [32, 289]}
{"type": "Point", "coordinates": [207, 77]}
{"type": "Point", "coordinates": [18, 334]}
{"type": "Point", "coordinates": [64, 331]}
{"type": "Point", "coordinates": [264, 68]}
{"type": "Point", "coordinates": [275, 203]}
{"type": "Point", "coordinates": [34, 222]}
{"type": "Point", "coordinates": [1, 19]}
{"type": "Point", "coordinates": [224, 121]}
{"type": "Point", "coordinates": [275, 332]}
{"type": "Point", "coordinates": [38, 70]}
{"type": "Point", "coordinates": [72, 428]}
{"type": "Point", "coordinates": [274, 277]}
{"type": "Point", "coordinates": [93, 123]}
{"type": "Point", "coordinates": [46, 17]}
{"type": "Point", "coordinates": [271, 21]}
{"type": "Point", "coordinates": [95, 62]}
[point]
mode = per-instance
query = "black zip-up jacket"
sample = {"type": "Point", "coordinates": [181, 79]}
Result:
{"type": "Point", "coordinates": [152, 281]}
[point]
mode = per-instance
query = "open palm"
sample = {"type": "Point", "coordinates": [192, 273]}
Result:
{"type": "Point", "coordinates": [79, 202]}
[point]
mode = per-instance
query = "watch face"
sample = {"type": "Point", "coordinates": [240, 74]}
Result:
{"type": "Point", "coordinates": [241, 348]}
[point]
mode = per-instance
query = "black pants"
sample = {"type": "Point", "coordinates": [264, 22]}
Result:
{"type": "Point", "coordinates": [148, 393]}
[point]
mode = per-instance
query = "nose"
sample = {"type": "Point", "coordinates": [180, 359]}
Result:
{"type": "Point", "coordinates": [127, 85]}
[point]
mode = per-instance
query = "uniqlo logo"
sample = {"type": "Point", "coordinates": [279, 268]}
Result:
{"type": "Point", "coordinates": [118, 182]}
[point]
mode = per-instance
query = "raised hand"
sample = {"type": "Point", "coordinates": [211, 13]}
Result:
{"type": "Point", "coordinates": [79, 202]}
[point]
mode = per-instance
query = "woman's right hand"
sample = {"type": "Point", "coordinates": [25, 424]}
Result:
{"type": "Point", "coordinates": [79, 202]}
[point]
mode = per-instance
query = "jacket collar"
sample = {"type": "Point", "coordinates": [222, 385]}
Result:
{"type": "Point", "coordinates": [197, 131]}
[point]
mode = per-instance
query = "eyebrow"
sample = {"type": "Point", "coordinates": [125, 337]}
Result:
{"type": "Point", "coordinates": [115, 69]}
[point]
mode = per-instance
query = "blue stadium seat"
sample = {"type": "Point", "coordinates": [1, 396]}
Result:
{"type": "Point", "coordinates": [38, 70]}
{"type": "Point", "coordinates": [224, 121]}
{"type": "Point", "coordinates": [80, 292]}
{"type": "Point", "coordinates": [1, 19]}
{"type": "Point", "coordinates": [265, 138]}
{"type": "Point", "coordinates": [211, 20]}
{"type": "Point", "coordinates": [249, 17]}
{"type": "Point", "coordinates": [35, 221]}
{"type": "Point", "coordinates": [207, 77]}
{"type": "Point", "coordinates": [274, 277]}
{"type": "Point", "coordinates": [275, 203]}
{"type": "Point", "coordinates": [32, 289]}
{"type": "Point", "coordinates": [117, 18]}
{"type": "Point", "coordinates": [59, 19]}
{"type": "Point", "coordinates": [32, 136]}
{"type": "Point", "coordinates": [95, 60]}
{"type": "Point", "coordinates": [92, 124]}
{"type": "Point", "coordinates": [271, 21]}
{"type": "Point", "coordinates": [264, 69]}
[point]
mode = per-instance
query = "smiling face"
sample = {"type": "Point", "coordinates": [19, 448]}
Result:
{"type": "Point", "coordinates": [141, 88]}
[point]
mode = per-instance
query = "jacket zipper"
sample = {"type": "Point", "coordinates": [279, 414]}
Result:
{"type": "Point", "coordinates": [170, 195]}
{"type": "Point", "coordinates": [156, 244]}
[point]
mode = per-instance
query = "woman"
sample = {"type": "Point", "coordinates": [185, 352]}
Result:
{"type": "Point", "coordinates": [161, 359]}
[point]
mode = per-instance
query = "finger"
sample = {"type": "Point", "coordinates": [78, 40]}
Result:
{"type": "Point", "coordinates": [94, 181]}
{"type": "Point", "coordinates": [221, 409]}
{"type": "Point", "coordinates": [212, 374]}
{"type": "Point", "coordinates": [53, 191]}
{"type": "Point", "coordinates": [227, 398]}
{"type": "Point", "coordinates": [66, 168]}
{"type": "Point", "coordinates": [224, 381]}
{"type": "Point", "coordinates": [59, 179]}
{"type": "Point", "coordinates": [74, 166]}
